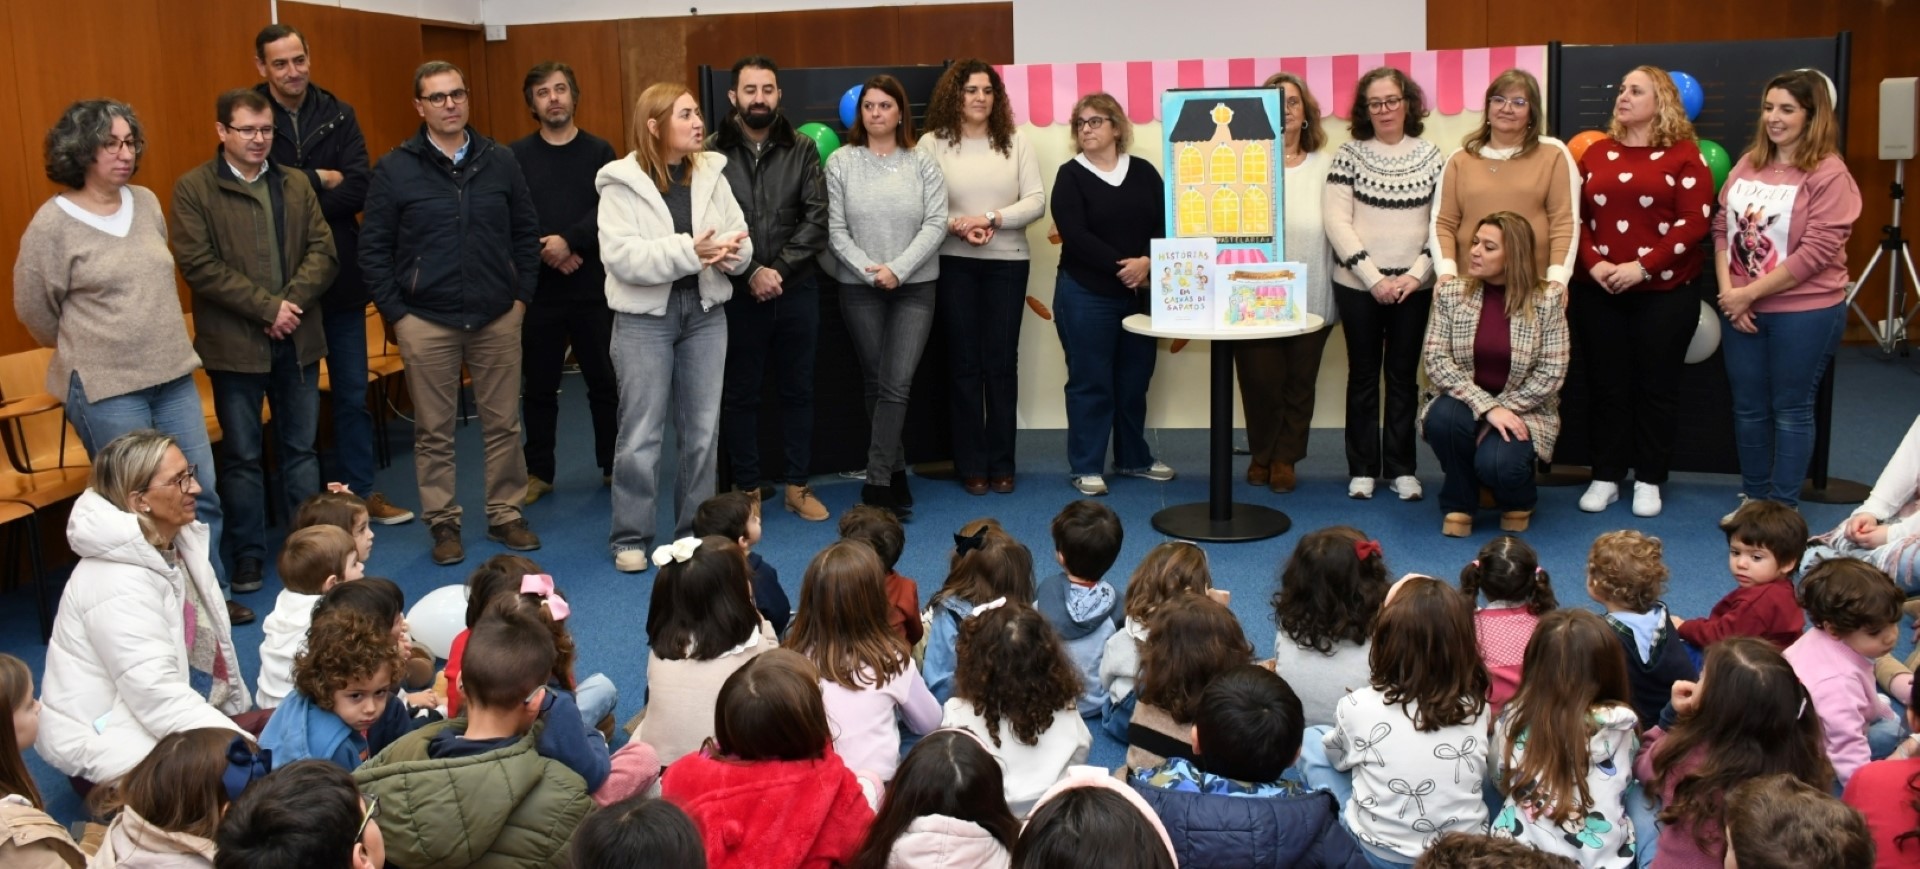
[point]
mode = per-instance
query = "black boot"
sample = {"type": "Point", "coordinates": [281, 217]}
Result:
{"type": "Point", "coordinates": [901, 492]}
{"type": "Point", "coordinates": [883, 497]}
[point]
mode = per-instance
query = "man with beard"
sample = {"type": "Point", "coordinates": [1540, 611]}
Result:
{"type": "Point", "coordinates": [774, 315]}
{"type": "Point", "coordinates": [560, 161]}
{"type": "Point", "coordinates": [318, 135]}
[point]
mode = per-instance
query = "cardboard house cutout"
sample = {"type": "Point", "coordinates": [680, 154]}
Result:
{"type": "Point", "coordinates": [1224, 180]}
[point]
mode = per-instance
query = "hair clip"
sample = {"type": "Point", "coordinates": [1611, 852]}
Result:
{"type": "Point", "coordinates": [338, 489]}
{"type": "Point", "coordinates": [1537, 570]}
{"type": "Point", "coordinates": [965, 543]}
{"type": "Point", "coordinates": [994, 604]}
{"type": "Point", "coordinates": [679, 551]}
{"type": "Point", "coordinates": [245, 765]}
{"type": "Point", "coordinates": [1475, 562]}
{"type": "Point", "coordinates": [1803, 709]}
{"type": "Point", "coordinates": [1363, 549]}
{"type": "Point", "coordinates": [541, 585]}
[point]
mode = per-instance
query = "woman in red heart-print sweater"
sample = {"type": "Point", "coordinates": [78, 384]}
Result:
{"type": "Point", "coordinates": [1647, 203]}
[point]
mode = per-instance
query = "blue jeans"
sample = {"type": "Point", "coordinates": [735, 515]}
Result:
{"type": "Point", "coordinates": [172, 408]}
{"type": "Point", "coordinates": [677, 359]}
{"type": "Point", "coordinates": [1504, 466]}
{"type": "Point", "coordinates": [1646, 824]}
{"type": "Point", "coordinates": [982, 302]}
{"type": "Point", "coordinates": [596, 697]}
{"type": "Point", "coordinates": [1108, 370]}
{"type": "Point", "coordinates": [1775, 374]}
{"type": "Point", "coordinates": [1317, 772]}
{"type": "Point", "coordinates": [889, 330]}
{"type": "Point", "coordinates": [352, 421]}
{"type": "Point", "coordinates": [292, 391]}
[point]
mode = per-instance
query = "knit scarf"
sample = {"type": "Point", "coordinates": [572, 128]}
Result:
{"type": "Point", "coordinates": [204, 652]}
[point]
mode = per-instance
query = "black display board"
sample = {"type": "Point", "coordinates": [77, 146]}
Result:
{"type": "Point", "coordinates": [1582, 82]}
{"type": "Point", "coordinates": [840, 430]}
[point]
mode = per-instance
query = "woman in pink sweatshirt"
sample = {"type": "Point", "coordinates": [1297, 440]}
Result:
{"type": "Point", "coordinates": [1780, 239]}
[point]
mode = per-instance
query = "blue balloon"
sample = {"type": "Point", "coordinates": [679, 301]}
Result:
{"type": "Point", "coordinates": [1692, 97]}
{"type": "Point", "coordinates": [850, 106]}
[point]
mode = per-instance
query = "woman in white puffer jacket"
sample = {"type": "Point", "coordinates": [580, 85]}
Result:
{"type": "Point", "coordinates": [141, 647]}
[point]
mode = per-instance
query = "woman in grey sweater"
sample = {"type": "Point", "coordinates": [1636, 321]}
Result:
{"type": "Point", "coordinates": [95, 282]}
{"type": "Point", "coordinates": [886, 216]}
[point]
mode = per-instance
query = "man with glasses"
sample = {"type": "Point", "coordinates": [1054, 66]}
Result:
{"type": "Point", "coordinates": [305, 815]}
{"type": "Point", "coordinates": [451, 254]}
{"type": "Point", "coordinates": [773, 319]}
{"type": "Point", "coordinates": [256, 251]}
{"type": "Point", "coordinates": [319, 136]}
{"type": "Point", "coordinates": [570, 309]}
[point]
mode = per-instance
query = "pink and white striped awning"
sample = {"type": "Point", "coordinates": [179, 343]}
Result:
{"type": "Point", "coordinates": [1043, 94]}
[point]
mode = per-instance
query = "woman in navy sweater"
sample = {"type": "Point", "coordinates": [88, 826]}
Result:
{"type": "Point", "coordinates": [1108, 209]}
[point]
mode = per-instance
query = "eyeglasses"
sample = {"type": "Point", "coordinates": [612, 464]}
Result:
{"type": "Point", "coordinates": [373, 811]}
{"type": "Point", "coordinates": [1092, 123]}
{"type": "Point", "coordinates": [1293, 102]}
{"type": "Point", "coordinates": [1390, 104]}
{"type": "Point", "coordinates": [131, 144]}
{"type": "Point", "coordinates": [1496, 101]}
{"type": "Point", "coordinates": [186, 478]}
{"type": "Point", "coordinates": [251, 132]}
{"type": "Point", "coordinates": [442, 99]}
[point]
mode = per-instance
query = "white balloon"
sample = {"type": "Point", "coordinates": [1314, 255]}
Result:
{"type": "Point", "coordinates": [439, 617]}
{"type": "Point", "coordinates": [1706, 336]}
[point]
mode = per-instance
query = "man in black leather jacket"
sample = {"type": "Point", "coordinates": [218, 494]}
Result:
{"type": "Point", "coordinates": [451, 254]}
{"type": "Point", "coordinates": [773, 318]}
{"type": "Point", "coordinates": [319, 135]}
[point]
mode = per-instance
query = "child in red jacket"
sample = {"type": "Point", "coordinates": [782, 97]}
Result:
{"type": "Point", "coordinates": [1764, 543]}
{"type": "Point", "coordinates": [767, 791]}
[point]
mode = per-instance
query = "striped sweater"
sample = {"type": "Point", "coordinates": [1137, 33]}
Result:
{"type": "Point", "coordinates": [1378, 204]}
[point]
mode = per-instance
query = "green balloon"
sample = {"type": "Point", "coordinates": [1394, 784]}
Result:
{"type": "Point", "coordinates": [1718, 162]}
{"type": "Point", "coordinates": [823, 136]}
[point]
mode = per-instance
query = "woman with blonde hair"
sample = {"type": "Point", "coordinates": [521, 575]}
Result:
{"type": "Point", "coordinates": [1277, 375]}
{"type": "Point", "coordinates": [670, 234]}
{"type": "Point", "coordinates": [993, 192]}
{"type": "Point", "coordinates": [886, 215]}
{"type": "Point", "coordinates": [1646, 199]}
{"type": "Point", "coordinates": [1497, 353]}
{"type": "Point", "coordinates": [1780, 243]}
{"type": "Point", "coordinates": [1108, 208]}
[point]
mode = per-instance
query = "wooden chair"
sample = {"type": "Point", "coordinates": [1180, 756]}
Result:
{"type": "Point", "coordinates": [383, 364]}
{"type": "Point", "coordinates": [45, 465]}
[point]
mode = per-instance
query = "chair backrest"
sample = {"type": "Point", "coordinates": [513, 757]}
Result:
{"type": "Point", "coordinates": [48, 441]}
{"type": "Point", "coordinates": [378, 343]}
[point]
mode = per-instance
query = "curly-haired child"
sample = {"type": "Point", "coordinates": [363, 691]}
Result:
{"type": "Point", "coordinates": [1627, 574]}
{"type": "Point", "coordinates": [1518, 593]}
{"type": "Point", "coordinates": [1194, 638]}
{"type": "Point", "coordinates": [313, 560]}
{"type": "Point", "coordinates": [1016, 690]}
{"type": "Point", "coordinates": [1326, 606]}
{"type": "Point", "coordinates": [1855, 610]}
{"type": "Point", "coordinates": [343, 682]}
{"type": "Point", "coordinates": [988, 564]}
{"type": "Point", "coordinates": [1169, 570]}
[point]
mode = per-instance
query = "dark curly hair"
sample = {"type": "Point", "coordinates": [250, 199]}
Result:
{"type": "Point", "coordinates": [343, 645]}
{"type": "Point", "coordinates": [1481, 851]}
{"type": "Point", "coordinates": [1010, 665]}
{"type": "Point", "coordinates": [83, 129]}
{"type": "Point", "coordinates": [1190, 640]}
{"type": "Point", "coordinates": [1360, 121]}
{"type": "Point", "coordinates": [946, 112]}
{"type": "Point", "coordinates": [1329, 593]}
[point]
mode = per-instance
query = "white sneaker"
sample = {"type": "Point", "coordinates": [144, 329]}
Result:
{"type": "Point", "coordinates": [1158, 472]}
{"type": "Point", "coordinates": [1090, 485]}
{"type": "Point", "coordinates": [631, 561]}
{"type": "Point", "coordinates": [1729, 517]}
{"type": "Point", "coordinates": [1407, 487]}
{"type": "Point", "coordinates": [1599, 495]}
{"type": "Point", "coordinates": [1360, 488]}
{"type": "Point", "coordinates": [1646, 499]}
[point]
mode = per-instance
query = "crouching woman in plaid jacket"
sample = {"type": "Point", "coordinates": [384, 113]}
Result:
{"type": "Point", "coordinates": [1496, 353]}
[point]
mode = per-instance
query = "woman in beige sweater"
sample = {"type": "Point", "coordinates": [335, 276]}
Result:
{"type": "Point", "coordinates": [993, 192]}
{"type": "Point", "coordinates": [95, 282]}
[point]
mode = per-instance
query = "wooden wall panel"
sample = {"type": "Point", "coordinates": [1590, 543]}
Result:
{"type": "Point", "coordinates": [591, 48]}
{"type": "Point", "coordinates": [1882, 48]}
{"type": "Point", "coordinates": [366, 59]}
{"type": "Point", "coordinates": [21, 186]}
{"type": "Point", "coordinates": [651, 50]}
{"type": "Point", "coordinates": [464, 47]}
{"type": "Point", "coordinates": [931, 34]}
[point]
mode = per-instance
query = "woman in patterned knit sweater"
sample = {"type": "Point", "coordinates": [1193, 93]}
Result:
{"type": "Point", "coordinates": [1636, 294]}
{"type": "Point", "coordinates": [1377, 204]}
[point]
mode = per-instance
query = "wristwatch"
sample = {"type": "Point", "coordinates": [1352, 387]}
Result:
{"type": "Point", "coordinates": [993, 219]}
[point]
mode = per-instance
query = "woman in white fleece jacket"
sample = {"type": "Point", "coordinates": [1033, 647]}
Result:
{"type": "Point", "coordinates": [670, 233]}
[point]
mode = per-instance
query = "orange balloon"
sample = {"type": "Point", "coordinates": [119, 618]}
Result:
{"type": "Point", "coordinates": [1578, 145]}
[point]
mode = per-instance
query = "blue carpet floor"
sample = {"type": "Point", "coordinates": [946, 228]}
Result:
{"type": "Point", "coordinates": [1877, 399]}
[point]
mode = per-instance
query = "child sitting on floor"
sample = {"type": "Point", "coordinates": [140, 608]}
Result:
{"type": "Point", "coordinates": [1778, 822]}
{"type": "Point", "coordinates": [946, 807]}
{"type": "Point", "coordinates": [1626, 574]}
{"type": "Point", "coordinates": [1326, 606]}
{"type": "Point", "coordinates": [1194, 639]}
{"type": "Point", "coordinates": [1079, 603]}
{"type": "Point", "coordinates": [343, 681]}
{"type": "Point", "coordinates": [988, 564]}
{"type": "Point", "coordinates": [879, 528]}
{"type": "Point", "coordinates": [1764, 542]}
{"type": "Point", "coordinates": [1169, 570]}
{"type": "Point", "coordinates": [166, 810]}
{"type": "Point", "coordinates": [313, 560]}
{"type": "Point", "coordinates": [1518, 593]}
{"type": "Point", "coordinates": [1856, 618]}
{"type": "Point", "coordinates": [1234, 806]}
{"type": "Point", "coordinates": [498, 575]}
{"type": "Point", "coordinates": [1016, 690]}
{"type": "Point", "coordinates": [736, 516]}
{"type": "Point", "coordinates": [701, 626]}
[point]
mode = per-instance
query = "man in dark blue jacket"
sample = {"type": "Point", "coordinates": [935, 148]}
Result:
{"type": "Point", "coordinates": [318, 135]}
{"type": "Point", "coordinates": [1235, 807]}
{"type": "Point", "coordinates": [451, 254]}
